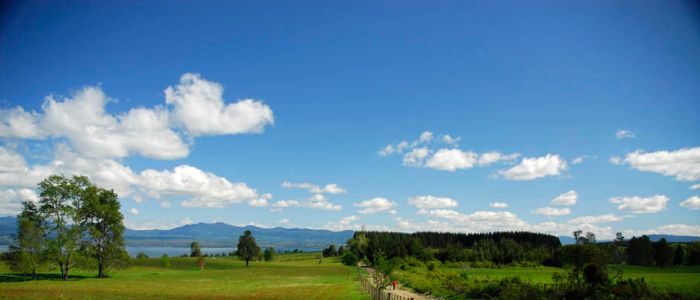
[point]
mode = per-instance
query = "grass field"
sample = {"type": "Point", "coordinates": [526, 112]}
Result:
{"type": "Point", "coordinates": [290, 276]}
{"type": "Point", "coordinates": [685, 280]}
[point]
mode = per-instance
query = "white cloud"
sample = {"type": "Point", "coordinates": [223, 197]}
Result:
{"type": "Point", "coordinates": [492, 157]}
{"type": "Point", "coordinates": [261, 202]}
{"type": "Point", "coordinates": [387, 150]}
{"type": "Point", "coordinates": [206, 189]}
{"type": "Point", "coordinates": [447, 139]}
{"type": "Point", "coordinates": [498, 205]}
{"type": "Point", "coordinates": [596, 219]}
{"type": "Point", "coordinates": [415, 157]}
{"type": "Point", "coordinates": [428, 201]}
{"type": "Point", "coordinates": [165, 204]}
{"type": "Point", "coordinates": [481, 221]}
{"type": "Point", "coordinates": [616, 160]}
{"type": "Point", "coordinates": [315, 189]}
{"type": "Point", "coordinates": [200, 109]}
{"type": "Point", "coordinates": [641, 205]}
{"type": "Point", "coordinates": [20, 124]}
{"type": "Point", "coordinates": [186, 221]}
{"type": "Point", "coordinates": [695, 186]}
{"type": "Point", "coordinates": [683, 164]}
{"type": "Point", "coordinates": [675, 229]}
{"type": "Point", "coordinates": [577, 160]}
{"type": "Point", "coordinates": [376, 205]}
{"type": "Point", "coordinates": [134, 211]}
{"type": "Point", "coordinates": [692, 203]}
{"type": "Point", "coordinates": [425, 137]}
{"type": "Point", "coordinates": [624, 134]}
{"type": "Point", "coordinates": [82, 119]}
{"type": "Point", "coordinates": [318, 201]}
{"type": "Point", "coordinates": [452, 160]}
{"type": "Point", "coordinates": [568, 198]}
{"type": "Point", "coordinates": [284, 221]}
{"type": "Point", "coordinates": [345, 223]}
{"type": "Point", "coordinates": [11, 200]}
{"type": "Point", "coordinates": [551, 211]}
{"type": "Point", "coordinates": [536, 167]}
{"type": "Point", "coordinates": [94, 133]}
{"type": "Point", "coordinates": [286, 203]}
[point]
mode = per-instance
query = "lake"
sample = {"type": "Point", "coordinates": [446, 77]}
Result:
{"type": "Point", "coordinates": [158, 251]}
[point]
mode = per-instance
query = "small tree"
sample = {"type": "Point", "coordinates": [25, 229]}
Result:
{"type": "Point", "coordinates": [200, 262]}
{"type": "Point", "coordinates": [247, 248]}
{"type": "Point", "coordinates": [165, 261]}
{"type": "Point", "coordinates": [27, 254]}
{"type": "Point", "coordinates": [195, 249]}
{"type": "Point", "coordinates": [679, 255]}
{"type": "Point", "coordinates": [269, 254]}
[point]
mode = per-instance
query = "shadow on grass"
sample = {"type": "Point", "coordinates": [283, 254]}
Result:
{"type": "Point", "coordinates": [9, 277]}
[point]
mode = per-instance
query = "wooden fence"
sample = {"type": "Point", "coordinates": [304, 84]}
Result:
{"type": "Point", "coordinates": [379, 294]}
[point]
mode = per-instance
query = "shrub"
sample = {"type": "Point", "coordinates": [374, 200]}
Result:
{"type": "Point", "coordinates": [349, 258]}
{"type": "Point", "coordinates": [141, 255]}
{"type": "Point", "coordinates": [165, 261]}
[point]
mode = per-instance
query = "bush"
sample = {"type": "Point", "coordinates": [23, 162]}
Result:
{"type": "Point", "coordinates": [165, 261]}
{"type": "Point", "coordinates": [349, 258]}
{"type": "Point", "coordinates": [432, 265]}
{"type": "Point", "coordinates": [141, 255]}
{"type": "Point", "coordinates": [633, 289]}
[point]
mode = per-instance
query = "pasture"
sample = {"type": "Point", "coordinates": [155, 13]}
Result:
{"type": "Point", "coordinates": [290, 276]}
{"type": "Point", "coordinates": [684, 279]}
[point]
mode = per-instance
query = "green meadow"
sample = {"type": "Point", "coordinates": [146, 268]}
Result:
{"type": "Point", "coordinates": [684, 280]}
{"type": "Point", "coordinates": [290, 276]}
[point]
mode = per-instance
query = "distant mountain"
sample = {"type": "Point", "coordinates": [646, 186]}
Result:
{"type": "Point", "coordinates": [225, 235]}
{"type": "Point", "coordinates": [674, 238]}
{"type": "Point", "coordinates": [216, 235]}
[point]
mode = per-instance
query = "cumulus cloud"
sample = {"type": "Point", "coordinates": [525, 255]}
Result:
{"type": "Point", "coordinates": [498, 204]}
{"type": "Point", "coordinates": [200, 109]}
{"type": "Point", "coordinates": [641, 205]}
{"type": "Point", "coordinates": [205, 189]}
{"type": "Point", "coordinates": [345, 223]}
{"type": "Point", "coordinates": [317, 201]}
{"type": "Point", "coordinates": [452, 160]}
{"type": "Point", "coordinates": [674, 229]}
{"type": "Point", "coordinates": [551, 211]}
{"type": "Point", "coordinates": [568, 198]}
{"type": "Point", "coordinates": [624, 134]}
{"type": "Point", "coordinates": [596, 219]}
{"type": "Point", "coordinates": [683, 164]}
{"type": "Point", "coordinates": [492, 157]}
{"type": "Point", "coordinates": [429, 202]}
{"type": "Point", "coordinates": [82, 119]}
{"type": "Point", "coordinates": [535, 167]}
{"type": "Point", "coordinates": [315, 189]}
{"type": "Point", "coordinates": [11, 200]}
{"type": "Point", "coordinates": [284, 221]}
{"type": "Point", "coordinates": [134, 211]}
{"type": "Point", "coordinates": [376, 205]}
{"type": "Point", "coordinates": [415, 157]}
{"type": "Point", "coordinates": [447, 139]}
{"type": "Point", "coordinates": [692, 203]}
{"type": "Point", "coordinates": [695, 186]}
{"type": "Point", "coordinates": [20, 124]}
{"type": "Point", "coordinates": [481, 221]}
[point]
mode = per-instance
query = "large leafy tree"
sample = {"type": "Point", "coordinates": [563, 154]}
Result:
{"type": "Point", "coordinates": [247, 248]}
{"type": "Point", "coordinates": [59, 202]}
{"type": "Point", "coordinates": [99, 215]}
{"type": "Point", "coordinates": [27, 253]}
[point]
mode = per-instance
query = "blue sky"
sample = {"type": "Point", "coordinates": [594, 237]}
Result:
{"type": "Point", "coordinates": [313, 92]}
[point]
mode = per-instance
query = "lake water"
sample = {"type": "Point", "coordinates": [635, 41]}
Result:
{"type": "Point", "coordinates": [172, 251]}
{"type": "Point", "coordinates": [158, 251]}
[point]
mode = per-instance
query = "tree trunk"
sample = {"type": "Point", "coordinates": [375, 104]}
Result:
{"type": "Point", "coordinates": [246, 262]}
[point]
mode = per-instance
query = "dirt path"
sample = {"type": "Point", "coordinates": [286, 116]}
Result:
{"type": "Point", "coordinates": [403, 291]}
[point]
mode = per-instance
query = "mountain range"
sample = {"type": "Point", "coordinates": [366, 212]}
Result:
{"type": "Point", "coordinates": [226, 235]}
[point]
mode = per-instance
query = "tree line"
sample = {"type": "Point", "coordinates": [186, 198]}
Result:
{"type": "Point", "coordinates": [74, 223]}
